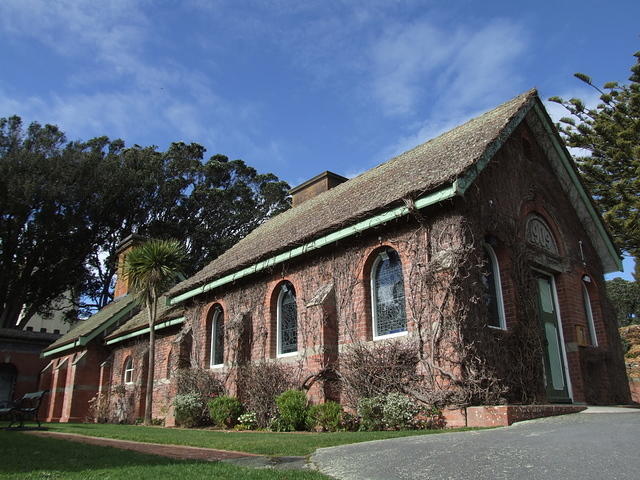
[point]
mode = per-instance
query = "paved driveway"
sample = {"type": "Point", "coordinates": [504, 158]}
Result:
{"type": "Point", "coordinates": [580, 446]}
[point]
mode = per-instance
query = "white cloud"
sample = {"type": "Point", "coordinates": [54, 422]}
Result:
{"type": "Point", "coordinates": [120, 88]}
{"type": "Point", "coordinates": [452, 68]}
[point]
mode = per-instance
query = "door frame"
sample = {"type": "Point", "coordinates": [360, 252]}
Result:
{"type": "Point", "coordinates": [563, 348]}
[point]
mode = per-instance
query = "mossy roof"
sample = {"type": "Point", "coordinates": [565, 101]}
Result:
{"type": "Point", "coordinates": [96, 323]}
{"type": "Point", "coordinates": [141, 320]}
{"type": "Point", "coordinates": [412, 174]}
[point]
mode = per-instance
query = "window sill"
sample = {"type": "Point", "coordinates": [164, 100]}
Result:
{"type": "Point", "coordinates": [390, 335]}
{"type": "Point", "coordinates": [285, 355]}
{"type": "Point", "coordinates": [216, 366]}
{"type": "Point", "coordinates": [501, 329]}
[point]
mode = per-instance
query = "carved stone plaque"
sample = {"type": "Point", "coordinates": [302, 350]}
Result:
{"type": "Point", "coordinates": [538, 234]}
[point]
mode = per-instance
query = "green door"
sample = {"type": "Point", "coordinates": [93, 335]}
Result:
{"type": "Point", "coordinates": [554, 367]}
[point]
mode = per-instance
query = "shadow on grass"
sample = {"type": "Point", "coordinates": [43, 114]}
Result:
{"type": "Point", "coordinates": [24, 453]}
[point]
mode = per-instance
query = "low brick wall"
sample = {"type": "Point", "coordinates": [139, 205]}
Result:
{"type": "Point", "coordinates": [634, 387]}
{"type": "Point", "coordinates": [504, 415]}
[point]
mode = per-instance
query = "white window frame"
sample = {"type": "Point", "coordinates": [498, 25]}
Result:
{"type": "Point", "coordinates": [374, 301]}
{"type": "Point", "coordinates": [586, 298]}
{"type": "Point", "coordinates": [495, 266]}
{"type": "Point", "coordinates": [212, 348]}
{"type": "Point", "coordinates": [128, 371]}
{"type": "Point", "coordinates": [279, 354]}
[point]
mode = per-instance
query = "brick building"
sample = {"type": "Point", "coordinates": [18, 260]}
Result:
{"type": "Point", "coordinates": [480, 247]}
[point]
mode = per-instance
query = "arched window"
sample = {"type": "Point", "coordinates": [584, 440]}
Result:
{"type": "Point", "coordinates": [387, 295]}
{"type": "Point", "coordinates": [287, 321]}
{"type": "Point", "coordinates": [593, 338]}
{"type": "Point", "coordinates": [493, 290]}
{"type": "Point", "coordinates": [216, 357]}
{"type": "Point", "coordinates": [128, 370]}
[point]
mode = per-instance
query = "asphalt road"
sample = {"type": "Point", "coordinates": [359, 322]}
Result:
{"type": "Point", "coordinates": [579, 446]}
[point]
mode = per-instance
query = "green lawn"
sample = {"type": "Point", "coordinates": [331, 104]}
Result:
{"type": "Point", "coordinates": [26, 457]}
{"type": "Point", "coordinates": [265, 443]}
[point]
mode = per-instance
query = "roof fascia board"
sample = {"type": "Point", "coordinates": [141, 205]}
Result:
{"type": "Point", "coordinates": [137, 333]}
{"type": "Point", "coordinates": [565, 157]}
{"type": "Point", "coordinates": [62, 348]}
{"type": "Point", "coordinates": [435, 197]}
{"type": "Point", "coordinates": [114, 319]}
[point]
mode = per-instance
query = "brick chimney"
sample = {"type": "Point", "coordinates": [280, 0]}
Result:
{"type": "Point", "coordinates": [314, 187]}
{"type": "Point", "coordinates": [125, 246]}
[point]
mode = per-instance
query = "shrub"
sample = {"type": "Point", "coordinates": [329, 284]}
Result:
{"type": "Point", "coordinates": [202, 383]}
{"type": "Point", "coordinates": [276, 424]}
{"type": "Point", "coordinates": [247, 421]}
{"type": "Point", "coordinates": [350, 422]}
{"type": "Point", "coordinates": [369, 370]}
{"type": "Point", "coordinates": [398, 412]}
{"type": "Point", "coordinates": [98, 411]}
{"type": "Point", "coordinates": [370, 413]}
{"type": "Point", "coordinates": [292, 410]}
{"type": "Point", "coordinates": [326, 416]}
{"type": "Point", "coordinates": [395, 411]}
{"type": "Point", "coordinates": [224, 411]}
{"type": "Point", "coordinates": [260, 384]}
{"type": "Point", "coordinates": [188, 409]}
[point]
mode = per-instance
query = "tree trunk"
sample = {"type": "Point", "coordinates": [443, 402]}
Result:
{"type": "Point", "coordinates": [148, 404]}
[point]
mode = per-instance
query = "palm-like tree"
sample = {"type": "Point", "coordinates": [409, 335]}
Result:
{"type": "Point", "coordinates": [151, 269]}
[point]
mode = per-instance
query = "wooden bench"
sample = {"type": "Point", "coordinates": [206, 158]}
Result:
{"type": "Point", "coordinates": [27, 406]}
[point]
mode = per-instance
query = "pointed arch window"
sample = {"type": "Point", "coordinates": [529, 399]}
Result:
{"type": "Point", "coordinates": [287, 321]}
{"type": "Point", "coordinates": [493, 290]}
{"type": "Point", "coordinates": [217, 339]}
{"type": "Point", "coordinates": [128, 370]}
{"type": "Point", "coordinates": [593, 337]}
{"type": "Point", "coordinates": [387, 295]}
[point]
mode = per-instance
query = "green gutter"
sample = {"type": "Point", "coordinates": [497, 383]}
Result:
{"type": "Point", "coordinates": [83, 340]}
{"type": "Point", "coordinates": [137, 333]}
{"type": "Point", "coordinates": [435, 197]}
{"type": "Point", "coordinates": [68, 346]}
{"type": "Point", "coordinates": [566, 161]}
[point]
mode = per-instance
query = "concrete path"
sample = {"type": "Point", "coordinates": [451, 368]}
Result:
{"type": "Point", "coordinates": [596, 444]}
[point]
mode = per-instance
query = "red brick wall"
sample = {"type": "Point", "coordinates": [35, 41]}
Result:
{"type": "Point", "coordinates": [514, 185]}
{"type": "Point", "coordinates": [517, 182]}
{"type": "Point", "coordinates": [134, 393]}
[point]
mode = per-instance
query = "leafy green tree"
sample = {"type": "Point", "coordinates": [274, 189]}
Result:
{"type": "Point", "coordinates": [65, 206]}
{"type": "Point", "coordinates": [45, 235]}
{"type": "Point", "coordinates": [625, 297]}
{"type": "Point", "coordinates": [610, 133]}
{"type": "Point", "coordinates": [152, 268]}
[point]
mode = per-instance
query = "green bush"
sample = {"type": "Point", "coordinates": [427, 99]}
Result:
{"type": "Point", "coordinates": [247, 421]}
{"type": "Point", "coordinates": [188, 409]}
{"type": "Point", "coordinates": [398, 412]}
{"type": "Point", "coordinates": [292, 410]}
{"type": "Point", "coordinates": [370, 411]}
{"type": "Point", "coordinates": [326, 416]}
{"type": "Point", "coordinates": [395, 411]}
{"type": "Point", "coordinates": [224, 411]}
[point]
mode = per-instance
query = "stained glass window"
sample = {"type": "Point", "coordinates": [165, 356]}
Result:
{"type": "Point", "coordinates": [387, 292]}
{"type": "Point", "coordinates": [217, 338]}
{"type": "Point", "coordinates": [287, 321]}
{"type": "Point", "coordinates": [493, 290]}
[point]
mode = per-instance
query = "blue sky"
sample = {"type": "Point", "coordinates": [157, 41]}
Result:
{"type": "Point", "coordinates": [295, 87]}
